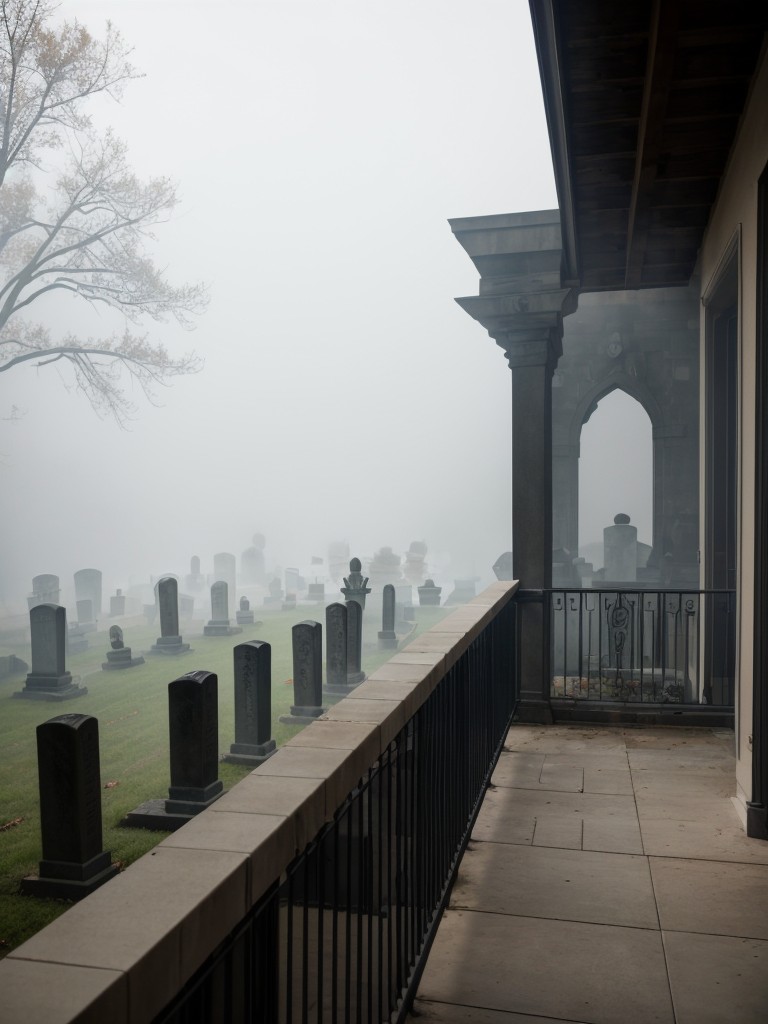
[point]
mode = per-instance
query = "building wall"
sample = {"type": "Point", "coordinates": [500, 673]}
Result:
{"type": "Point", "coordinates": [736, 212]}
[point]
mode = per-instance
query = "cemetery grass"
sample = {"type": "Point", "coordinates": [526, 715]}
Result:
{"type": "Point", "coordinates": [131, 706]}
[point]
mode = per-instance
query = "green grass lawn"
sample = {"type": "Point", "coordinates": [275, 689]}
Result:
{"type": "Point", "coordinates": [132, 709]}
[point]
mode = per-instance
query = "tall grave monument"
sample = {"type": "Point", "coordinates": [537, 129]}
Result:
{"type": "Point", "coordinates": [49, 679]}
{"type": "Point", "coordinates": [74, 863]}
{"type": "Point", "coordinates": [220, 624]}
{"type": "Point", "coordinates": [167, 599]}
{"type": "Point", "coordinates": [307, 638]}
{"type": "Point", "coordinates": [253, 704]}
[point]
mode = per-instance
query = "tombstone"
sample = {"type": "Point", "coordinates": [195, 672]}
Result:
{"type": "Point", "coordinates": [385, 567]}
{"type": "Point", "coordinates": [316, 593]}
{"type": "Point", "coordinates": [120, 655]}
{"type": "Point", "coordinates": [194, 748]}
{"type": "Point", "coordinates": [275, 594]}
{"type": "Point", "coordinates": [292, 578]}
{"type": "Point", "coordinates": [49, 679]}
{"type": "Point", "coordinates": [338, 559]}
{"type": "Point", "coordinates": [117, 604]}
{"type": "Point", "coordinates": [387, 635]}
{"type": "Point", "coordinates": [620, 551]}
{"type": "Point", "coordinates": [355, 672]}
{"type": "Point", "coordinates": [194, 580]}
{"type": "Point", "coordinates": [74, 863]}
{"type": "Point", "coordinates": [225, 568]}
{"type": "Point", "coordinates": [463, 591]}
{"type": "Point", "coordinates": [289, 604]}
{"type": "Point", "coordinates": [169, 642]}
{"type": "Point", "coordinates": [253, 704]}
{"type": "Point", "coordinates": [10, 665]}
{"type": "Point", "coordinates": [307, 642]}
{"type": "Point", "coordinates": [336, 649]}
{"type": "Point", "coordinates": [244, 615]}
{"type": "Point", "coordinates": [252, 561]}
{"type": "Point", "coordinates": [45, 590]}
{"type": "Point", "coordinates": [415, 566]}
{"type": "Point", "coordinates": [429, 594]}
{"type": "Point", "coordinates": [219, 624]}
{"type": "Point", "coordinates": [77, 634]}
{"type": "Point", "coordinates": [86, 619]}
{"type": "Point", "coordinates": [88, 588]}
{"type": "Point", "coordinates": [403, 600]}
{"type": "Point", "coordinates": [502, 567]}
{"type": "Point", "coordinates": [356, 585]}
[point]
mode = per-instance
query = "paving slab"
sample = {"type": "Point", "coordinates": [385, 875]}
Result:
{"type": "Point", "coordinates": [448, 1014]}
{"type": "Point", "coordinates": [717, 979]}
{"type": "Point", "coordinates": [597, 974]}
{"type": "Point", "coordinates": [714, 897]}
{"type": "Point", "coordinates": [602, 888]}
{"type": "Point", "coordinates": [554, 739]}
{"type": "Point", "coordinates": [689, 839]}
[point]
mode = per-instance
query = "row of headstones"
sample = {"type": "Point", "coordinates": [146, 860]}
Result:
{"type": "Point", "coordinates": [74, 862]}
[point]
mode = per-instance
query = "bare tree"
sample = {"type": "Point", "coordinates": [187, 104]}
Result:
{"type": "Point", "coordinates": [87, 234]}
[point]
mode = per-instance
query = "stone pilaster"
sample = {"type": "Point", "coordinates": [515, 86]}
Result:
{"type": "Point", "coordinates": [521, 304]}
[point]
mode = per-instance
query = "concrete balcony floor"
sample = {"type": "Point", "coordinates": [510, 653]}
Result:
{"type": "Point", "coordinates": [608, 881]}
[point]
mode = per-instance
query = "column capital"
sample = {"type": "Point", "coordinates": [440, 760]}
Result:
{"type": "Point", "coordinates": [542, 347]}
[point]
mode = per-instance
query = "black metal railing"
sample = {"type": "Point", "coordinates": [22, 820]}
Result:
{"type": "Point", "coordinates": [644, 646]}
{"type": "Point", "coordinates": [344, 934]}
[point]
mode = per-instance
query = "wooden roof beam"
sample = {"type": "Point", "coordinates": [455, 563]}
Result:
{"type": "Point", "coordinates": [662, 42]}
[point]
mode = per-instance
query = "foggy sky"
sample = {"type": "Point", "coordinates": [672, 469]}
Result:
{"type": "Point", "coordinates": [319, 149]}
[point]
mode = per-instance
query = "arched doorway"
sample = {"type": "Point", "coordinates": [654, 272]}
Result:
{"type": "Point", "coordinates": [615, 472]}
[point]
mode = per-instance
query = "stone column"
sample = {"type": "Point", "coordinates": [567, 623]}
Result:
{"type": "Point", "coordinates": [527, 286]}
{"type": "Point", "coordinates": [532, 357]}
{"type": "Point", "coordinates": [565, 497]}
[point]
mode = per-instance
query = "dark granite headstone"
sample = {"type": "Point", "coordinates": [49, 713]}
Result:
{"type": "Point", "coordinates": [49, 679]}
{"type": "Point", "coordinates": [307, 639]}
{"type": "Point", "coordinates": [253, 704]}
{"type": "Point", "coordinates": [336, 649]}
{"type": "Point", "coordinates": [167, 600]}
{"type": "Point", "coordinates": [387, 635]}
{"type": "Point", "coordinates": [74, 863]}
{"type": "Point", "coordinates": [194, 747]}
{"type": "Point", "coordinates": [355, 672]}
{"type": "Point", "coordinates": [219, 623]}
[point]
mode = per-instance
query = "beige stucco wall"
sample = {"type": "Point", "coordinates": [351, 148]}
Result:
{"type": "Point", "coordinates": [734, 211]}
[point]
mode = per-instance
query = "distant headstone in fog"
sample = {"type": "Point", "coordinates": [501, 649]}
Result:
{"type": "Point", "coordinates": [45, 590]}
{"type": "Point", "coordinates": [252, 561]}
{"type": "Point", "coordinates": [244, 615]}
{"type": "Point", "coordinates": [219, 624]}
{"type": "Point", "coordinates": [49, 679]}
{"type": "Point", "coordinates": [117, 604]}
{"type": "Point", "coordinates": [119, 656]}
{"type": "Point", "coordinates": [429, 594]}
{"type": "Point", "coordinates": [88, 588]}
{"type": "Point", "coordinates": [387, 635]}
{"type": "Point", "coordinates": [620, 548]}
{"type": "Point", "coordinates": [167, 600]}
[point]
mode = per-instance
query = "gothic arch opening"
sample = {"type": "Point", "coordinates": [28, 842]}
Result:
{"type": "Point", "coordinates": [615, 473]}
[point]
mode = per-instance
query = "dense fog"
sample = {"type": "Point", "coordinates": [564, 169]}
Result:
{"type": "Point", "coordinates": [319, 149]}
